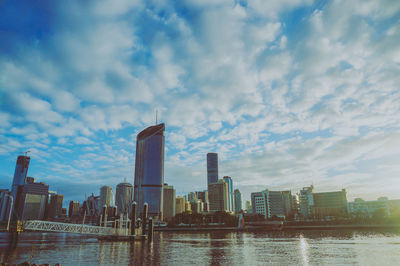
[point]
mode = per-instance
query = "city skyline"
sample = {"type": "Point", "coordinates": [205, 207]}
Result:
{"type": "Point", "coordinates": [287, 94]}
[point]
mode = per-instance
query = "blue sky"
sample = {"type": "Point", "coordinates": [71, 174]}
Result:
{"type": "Point", "coordinates": [288, 92]}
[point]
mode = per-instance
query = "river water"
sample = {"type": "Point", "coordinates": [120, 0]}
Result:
{"type": "Point", "coordinates": [211, 248]}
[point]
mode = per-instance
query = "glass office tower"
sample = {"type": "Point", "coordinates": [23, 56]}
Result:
{"type": "Point", "coordinates": [212, 168]}
{"type": "Point", "coordinates": [149, 170]}
{"type": "Point", "coordinates": [238, 201]}
{"type": "Point", "coordinates": [21, 170]}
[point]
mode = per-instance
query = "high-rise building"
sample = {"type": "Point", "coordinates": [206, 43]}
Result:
{"type": "Point", "coordinates": [55, 207]}
{"type": "Point", "coordinates": [212, 168]}
{"type": "Point", "coordinates": [287, 203]}
{"type": "Point", "coordinates": [231, 198]}
{"type": "Point", "coordinates": [179, 205]}
{"type": "Point", "coordinates": [259, 203]}
{"type": "Point", "coordinates": [218, 196]}
{"type": "Point", "coordinates": [238, 201]}
{"type": "Point", "coordinates": [105, 196]}
{"type": "Point", "coordinates": [192, 196]}
{"type": "Point", "coordinates": [197, 206]}
{"type": "Point", "coordinates": [306, 202]}
{"type": "Point", "coordinates": [275, 204]}
{"type": "Point", "coordinates": [149, 170]}
{"type": "Point", "coordinates": [74, 208]}
{"type": "Point", "coordinates": [202, 195]}
{"type": "Point", "coordinates": [123, 197]}
{"type": "Point", "coordinates": [92, 206]}
{"type": "Point", "coordinates": [5, 204]}
{"type": "Point", "coordinates": [21, 170]}
{"type": "Point", "coordinates": [332, 203]}
{"type": "Point", "coordinates": [169, 202]}
{"type": "Point", "coordinates": [32, 201]}
{"type": "Point", "coordinates": [295, 205]}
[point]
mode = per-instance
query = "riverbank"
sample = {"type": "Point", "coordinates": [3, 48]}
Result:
{"type": "Point", "coordinates": [283, 228]}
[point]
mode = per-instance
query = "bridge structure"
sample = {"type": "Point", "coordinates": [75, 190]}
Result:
{"type": "Point", "coordinates": [37, 225]}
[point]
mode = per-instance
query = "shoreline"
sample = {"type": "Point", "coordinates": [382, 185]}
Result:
{"type": "Point", "coordinates": [284, 228]}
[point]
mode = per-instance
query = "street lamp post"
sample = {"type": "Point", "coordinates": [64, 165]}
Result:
{"type": "Point", "coordinates": [9, 214]}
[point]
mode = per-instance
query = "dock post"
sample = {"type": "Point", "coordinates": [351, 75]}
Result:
{"type": "Point", "coordinates": [105, 215]}
{"type": "Point", "coordinates": [145, 215]}
{"type": "Point", "coordinates": [133, 218]}
{"type": "Point", "coordinates": [150, 230]}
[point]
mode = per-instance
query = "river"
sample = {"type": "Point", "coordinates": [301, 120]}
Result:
{"type": "Point", "coordinates": [346, 247]}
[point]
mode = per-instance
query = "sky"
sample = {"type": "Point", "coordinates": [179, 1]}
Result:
{"type": "Point", "coordinates": [289, 93]}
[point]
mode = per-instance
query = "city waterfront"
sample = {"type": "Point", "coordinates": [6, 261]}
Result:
{"type": "Point", "coordinates": [210, 248]}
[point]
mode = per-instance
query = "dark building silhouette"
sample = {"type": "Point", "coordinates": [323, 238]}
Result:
{"type": "Point", "coordinates": [149, 170]}
{"type": "Point", "coordinates": [212, 168]}
{"type": "Point", "coordinates": [55, 207]}
{"type": "Point", "coordinates": [74, 208]}
{"type": "Point", "coordinates": [32, 200]}
{"type": "Point", "coordinates": [21, 170]}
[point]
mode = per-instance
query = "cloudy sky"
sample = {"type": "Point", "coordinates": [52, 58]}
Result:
{"type": "Point", "coordinates": [288, 92]}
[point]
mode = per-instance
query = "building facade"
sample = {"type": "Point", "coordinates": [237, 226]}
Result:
{"type": "Point", "coordinates": [32, 201]}
{"type": "Point", "coordinates": [105, 196]}
{"type": "Point", "coordinates": [330, 204]}
{"type": "Point", "coordinates": [123, 197]}
{"type": "Point", "coordinates": [231, 205]}
{"type": "Point", "coordinates": [149, 170]}
{"type": "Point", "coordinates": [218, 196]}
{"type": "Point", "coordinates": [259, 203]}
{"type": "Point", "coordinates": [275, 204]}
{"type": "Point", "coordinates": [169, 202]}
{"type": "Point", "coordinates": [287, 203]}
{"type": "Point", "coordinates": [306, 202]}
{"type": "Point", "coordinates": [74, 208]}
{"type": "Point", "coordinates": [5, 204]}
{"type": "Point", "coordinates": [55, 207]}
{"type": "Point", "coordinates": [238, 200]}
{"type": "Point", "coordinates": [248, 207]}
{"type": "Point", "coordinates": [20, 174]}
{"type": "Point", "coordinates": [179, 205]}
{"type": "Point", "coordinates": [212, 168]}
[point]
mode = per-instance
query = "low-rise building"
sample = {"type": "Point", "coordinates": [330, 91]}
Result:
{"type": "Point", "coordinates": [330, 204]}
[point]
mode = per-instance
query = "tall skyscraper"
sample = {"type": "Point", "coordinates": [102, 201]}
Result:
{"type": "Point", "coordinates": [212, 168]}
{"type": "Point", "coordinates": [218, 196]}
{"type": "Point", "coordinates": [231, 206]}
{"type": "Point", "coordinates": [105, 196]}
{"type": "Point", "coordinates": [123, 197]}
{"type": "Point", "coordinates": [149, 170]}
{"type": "Point", "coordinates": [21, 170]}
{"type": "Point", "coordinates": [169, 204]}
{"type": "Point", "coordinates": [238, 201]}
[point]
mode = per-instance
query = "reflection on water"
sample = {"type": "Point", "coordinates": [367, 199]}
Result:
{"type": "Point", "coordinates": [213, 248]}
